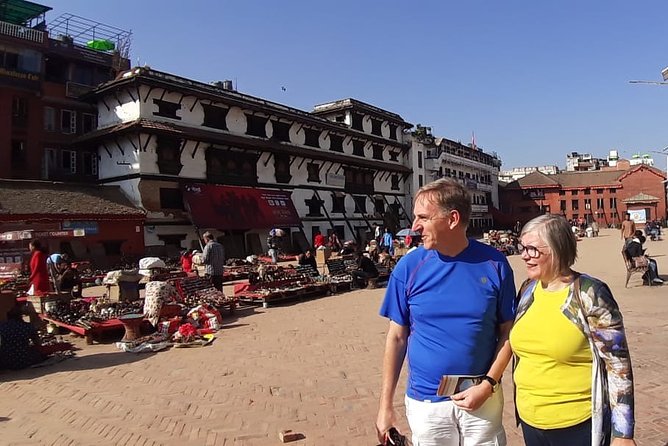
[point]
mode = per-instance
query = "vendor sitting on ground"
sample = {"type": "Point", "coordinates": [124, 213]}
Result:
{"type": "Point", "coordinates": [366, 270]}
{"type": "Point", "coordinates": [157, 293]}
{"type": "Point", "coordinates": [307, 258]}
{"type": "Point", "coordinates": [19, 342]}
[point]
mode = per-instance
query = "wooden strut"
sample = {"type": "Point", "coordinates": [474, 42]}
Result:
{"type": "Point", "coordinates": [301, 164]}
{"type": "Point", "coordinates": [105, 104]}
{"type": "Point", "coordinates": [120, 148]}
{"type": "Point", "coordinates": [146, 143]}
{"type": "Point", "coordinates": [107, 149]}
{"type": "Point", "coordinates": [184, 141]}
{"type": "Point", "coordinates": [271, 155]}
{"type": "Point", "coordinates": [329, 168]}
{"type": "Point", "coordinates": [195, 102]}
{"type": "Point", "coordinates": [131, 95]}
{"type": "Point", "coordinates": [133, 143]}
{"type": "Point", "coordinates": [192, 155]}
{"type": "Point", "coordinates": [292, 160]}
{"type": "Point", "coordinates": [117, 99]}
{"type": "Point", "coordinates": [138, 93]}
{"type": "Point", "coordinates": [148, 95]}
{"type": "Point", "coordinates": [322, 205]}
{"type": "Point", "coordinates": [164, 92]}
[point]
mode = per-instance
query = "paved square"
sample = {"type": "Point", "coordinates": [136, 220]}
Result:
{"type": "Point", "coordinates": [313, 367]}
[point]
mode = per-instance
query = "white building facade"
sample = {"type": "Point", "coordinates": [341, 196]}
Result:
{"type": "Point", "coordinates": [519, 172]}
{"type": "Point", "coordinates": [433, 158]}
{"type": "Point", "coordinates": [345, 165]}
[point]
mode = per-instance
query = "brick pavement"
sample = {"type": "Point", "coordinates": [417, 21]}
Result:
{"type": "Point", "coordinates": [313, 367]}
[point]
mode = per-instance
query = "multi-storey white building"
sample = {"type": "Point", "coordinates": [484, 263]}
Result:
{"type": "Point", "coordinates": [434, 158]}
{"type": "Point", "coordinates": [203, 156]}
{"type": "Point", "coordinates": [519, 172]}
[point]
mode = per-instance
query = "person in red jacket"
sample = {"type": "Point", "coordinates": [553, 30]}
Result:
{"type": "Point", "coordinates": [39, 274]}
{"type": "Point", "coordinates": [319, 240]}
{"type": "Point", "coordinates": [187, 261]}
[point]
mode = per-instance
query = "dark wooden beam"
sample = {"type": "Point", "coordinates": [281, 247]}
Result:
{"type": "Point", "coordinates": [302, 163]}
{"type": "Point", "coordinates": [271, 155]}
{"type": "Point", "coordinates": [107, 149]}
{"type": "Point", "coordinates": [120, 148]}
{"type": "Point", "coordinates": [192, 155]}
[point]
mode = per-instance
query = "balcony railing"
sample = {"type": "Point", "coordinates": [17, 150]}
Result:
{"type": "Point", "coordinates": [21, 32]}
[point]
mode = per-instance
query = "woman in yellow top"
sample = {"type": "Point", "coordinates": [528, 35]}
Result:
{"type": "Point", "coordinates": [572, 370]}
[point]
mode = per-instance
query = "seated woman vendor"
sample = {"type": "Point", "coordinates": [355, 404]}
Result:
{"type": "Point", "coordinates": [19, 342]}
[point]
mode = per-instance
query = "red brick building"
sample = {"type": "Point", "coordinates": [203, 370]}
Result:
{"type": "Point", "coordinates": [113, 226]}
{"type": "Point", "coordinates": [44, 68]}
{"type": "Point", "coordinates": [604, 196]}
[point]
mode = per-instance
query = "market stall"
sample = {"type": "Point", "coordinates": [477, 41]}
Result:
{"type": "Point", "coordinates": [274, 284]}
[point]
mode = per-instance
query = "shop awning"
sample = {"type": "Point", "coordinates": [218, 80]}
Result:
{"type": "Point", "coordinates": [231, 207]}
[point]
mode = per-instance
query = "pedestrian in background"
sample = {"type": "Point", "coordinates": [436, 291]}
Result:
{"type": "Point", "coordinates": [628, 229]}
{"type": "Point", "coordinates": [213, 258]}
{"type": "Point", "coordinates": [39, 273]}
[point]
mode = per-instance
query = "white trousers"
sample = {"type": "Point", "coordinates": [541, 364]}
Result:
{"type": "Point", "coordinates": [445, 424]}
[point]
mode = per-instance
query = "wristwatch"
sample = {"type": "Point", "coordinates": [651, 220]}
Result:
{"type": "Point", "coordinates": [492, 381]}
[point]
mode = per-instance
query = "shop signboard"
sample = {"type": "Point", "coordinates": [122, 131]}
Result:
{"type": "Point", "coordinates": [90, 227]}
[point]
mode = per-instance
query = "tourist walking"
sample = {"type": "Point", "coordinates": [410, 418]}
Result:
{"type": "Point", "coordinates": [628, 228]}
{"type": "Point", "coordinates": [450, 306]}
{"type": "Point", "coordinates": [572, 368]}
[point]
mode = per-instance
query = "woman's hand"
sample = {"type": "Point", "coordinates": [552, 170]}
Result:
{"type": "Point", "coordinates": [473, 397]}
{"type": "Point", "coordinates": [623, 442]}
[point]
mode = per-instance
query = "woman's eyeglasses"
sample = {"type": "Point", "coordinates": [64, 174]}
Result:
{"type": "Point", "coordinates": [531, 251]}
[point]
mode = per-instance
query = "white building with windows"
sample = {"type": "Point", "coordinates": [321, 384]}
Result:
{"type": "Point", "coordinates": [167, 141]}
{"type": "Point", "coordinates": [433, 158]}
{"type": "Point", "coordinates": [520, 172]}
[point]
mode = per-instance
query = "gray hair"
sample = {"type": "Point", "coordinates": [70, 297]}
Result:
{"type": "Point", "coordinates": [555, 231]}
{"type": "Point", "coordinates": [448, 195]}
{"type": "Point", "coordinates": [207, 236]}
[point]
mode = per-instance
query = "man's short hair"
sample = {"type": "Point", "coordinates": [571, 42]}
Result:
{"type": "Point", "coordinates": [207, 236]}
{"type": "Point", "coordinates": [448, 195]}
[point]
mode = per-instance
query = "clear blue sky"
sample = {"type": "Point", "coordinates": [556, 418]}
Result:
{"type": "Point", "coordinates": [533, 80]}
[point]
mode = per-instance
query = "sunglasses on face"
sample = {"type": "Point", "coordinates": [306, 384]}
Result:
{"type": "Point", "coordinates": [531, 251]}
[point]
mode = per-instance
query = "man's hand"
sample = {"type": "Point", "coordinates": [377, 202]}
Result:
{"type": "Point", "coordinates": [473, 397]}
{"type": "Point", "coordinates": [386, 419]}
{"type": "Point", "coordinates": [623, 442]}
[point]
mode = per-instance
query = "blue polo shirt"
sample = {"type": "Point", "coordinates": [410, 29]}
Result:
{"type": "Point", "coordinates": [452, 306]}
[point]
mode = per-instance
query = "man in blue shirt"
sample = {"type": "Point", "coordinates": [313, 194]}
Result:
{"type": "Point", "coordinates": [451, 305]}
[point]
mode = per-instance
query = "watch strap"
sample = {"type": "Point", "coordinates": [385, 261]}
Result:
{"type": "Point", "coordinates": [494, 383]}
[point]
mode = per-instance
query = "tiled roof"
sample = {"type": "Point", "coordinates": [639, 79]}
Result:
{"type": "Point", "coordinates": [642, 197]}
{"type": "Point", "coordinates": [569, 179]}
{"type": "Point", "coordinates": [534, 179]}
{"type": "Point", "coordinates": [19, 197]}
{"type": "Point", "coordinates": [588, 179]}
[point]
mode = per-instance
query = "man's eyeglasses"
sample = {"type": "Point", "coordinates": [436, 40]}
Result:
{"type": "Point", "coordinates": [531, 251]}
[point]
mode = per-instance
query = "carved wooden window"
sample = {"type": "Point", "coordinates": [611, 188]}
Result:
{"type": "Point", "coordinates": [282, 168]}
{"type": "Point", "coordinates": [360, 204]}
{"type": "Point", "coordinates": [281, 131]}
{"type": "Point", "coordinates": [376, 127]}
{"type": "Point", "coordinates": [312, 137]}
{"type": "Point", "coordinates": [167, 109]}
{"type": "Point", "coordinates": [357, 121]}
{"type": "Point", "coordinates": [358, 147]}
{"type": "Point", "coordinates": [215, 117]}
{"type": "Point", "coordinates": [256, 126]}
{"type": "Point", "coordinates": [338, 203]}
{"type": "Point", "coordinates": [377, 152]}
{"type": "Point", "coordinates": [313, 171]}
{"type": "Point", "coordinates": [394, 182]}
{"type": "Point", "coordinates": [169, 156]}
{"type": "Point", "coordinates": [335, 143]}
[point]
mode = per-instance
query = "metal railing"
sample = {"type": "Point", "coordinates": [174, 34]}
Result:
{"type": "Point", "coordinates": [21, 32]}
